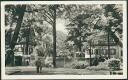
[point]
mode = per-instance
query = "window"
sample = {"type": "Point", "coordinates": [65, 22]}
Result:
{"type": "Point", "coordinates": [113, 51]}
{"type": "Point", "coordinates": [104, 52]}
{"type": "Point", "coordinates": [96, 51]}
{"type": "Point", "coordinates": [91, 51]}
{"type": "Point", "coordinates": [121, 53]}
{"type": "Point", "coordinates": [19, 49]}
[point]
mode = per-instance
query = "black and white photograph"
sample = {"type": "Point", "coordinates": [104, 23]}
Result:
{"type": "Point", "coordinates": [63, 39]}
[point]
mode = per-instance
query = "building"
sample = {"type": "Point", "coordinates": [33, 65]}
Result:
{"type": "Point", "coordinates": [101, 47]}
{"type": "Point", "coordinates": [22, 58]}
{"type": "Point", "coordinates": [98, 45]}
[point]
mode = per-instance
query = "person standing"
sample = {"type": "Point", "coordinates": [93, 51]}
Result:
{"type": "Point", "coordinates": [38, 65]}
{"type": "Point", "coordinates": [42, 65]}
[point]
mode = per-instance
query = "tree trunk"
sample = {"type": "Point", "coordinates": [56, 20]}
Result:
{"type": "Point", "coordinates": [80, 31]}
{"type": "Point", "coordinates": [27, 41]}
{"type": "Point", "coordinates": [18, 26]}
{"type": "Point", "coordinates": [108, 45]}
{"type": "Point", "coordinates": [20, 12]}
{"type": "Point", "coordinates": [80, 45]}
{"type": "Point", "coordinates": [54, 37]}
{"type": "Point", "coordinates": [90, 54]}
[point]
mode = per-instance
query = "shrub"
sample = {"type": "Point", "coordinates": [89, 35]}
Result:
{"type": "Point", "coordinates": [101, 66]}
{"type": "Point", "coordinates": [95, 62]}
{"type": "Point", "coordinates": [114, 64]}
{"type": "Point", "coordinates": [48, 62]}
{"type": "Point", "coordinates": [81, 59]}
{"type": "Point", "coordinates": [101, 59]}
{"type": "Point", "coordinates": [79, 65]}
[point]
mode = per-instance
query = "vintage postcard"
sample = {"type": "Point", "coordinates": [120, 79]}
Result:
{"type": "Point", "coordinates": [63, 40]}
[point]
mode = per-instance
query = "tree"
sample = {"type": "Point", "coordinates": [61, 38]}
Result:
{"type": "Point", "coordinates": [112, 24]}
{"type": "Point", "coordinates": [19, 11]}
{"type": "Point", "coordinates": [88, 19]}
{"type": "Point", "coordinates": [115, 21]}
{"type": "Point", "coordinates": [49, 15]}
{"type": "Point", "coordinates": [78, 32]}
{"type": "Point", "coordinates": [81, 26]}
{"type": "Point", "coordinates": [54, 34]}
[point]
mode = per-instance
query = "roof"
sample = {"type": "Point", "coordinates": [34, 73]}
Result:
{"type": "Point", "coordinates": [96, 35]}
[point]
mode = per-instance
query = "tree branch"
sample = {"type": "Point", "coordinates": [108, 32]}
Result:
{"type": "Point", "coordinates": [47, 20]}
{"type": "Point", "coordinates": [49, 13]}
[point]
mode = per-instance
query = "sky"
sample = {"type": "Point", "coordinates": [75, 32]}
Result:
{"type": "Point", "coordinates": [60, 25]}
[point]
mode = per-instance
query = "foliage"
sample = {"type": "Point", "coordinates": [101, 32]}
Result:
{"type": "Point", "coordinates": [9, 57]}
{"type": "Point", "coordinates": [112, 18]}
{"type": "Point", "coordinates": [101, 66]}
{"type": "Point", "coordinates": [80, 26]}
{"type": "Point", "coordinates": [11, 15]}
{"type": "Point", "coordinates": [60, 44]}
{"type": "Point", "coordinates": [79, 64]}
{"type": "Point", "coordinates": [31, 17]}
{"type": "Point", "coordinates": [49, 62]}
{"type": "Point", "coordinates": [101, 17]}
{"type": "Point", "coordinates": [97, 68]}
{"type": "Point", "coordinates": [95, 62]}
{"type": "Point", "coordinates": [114, 64]}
